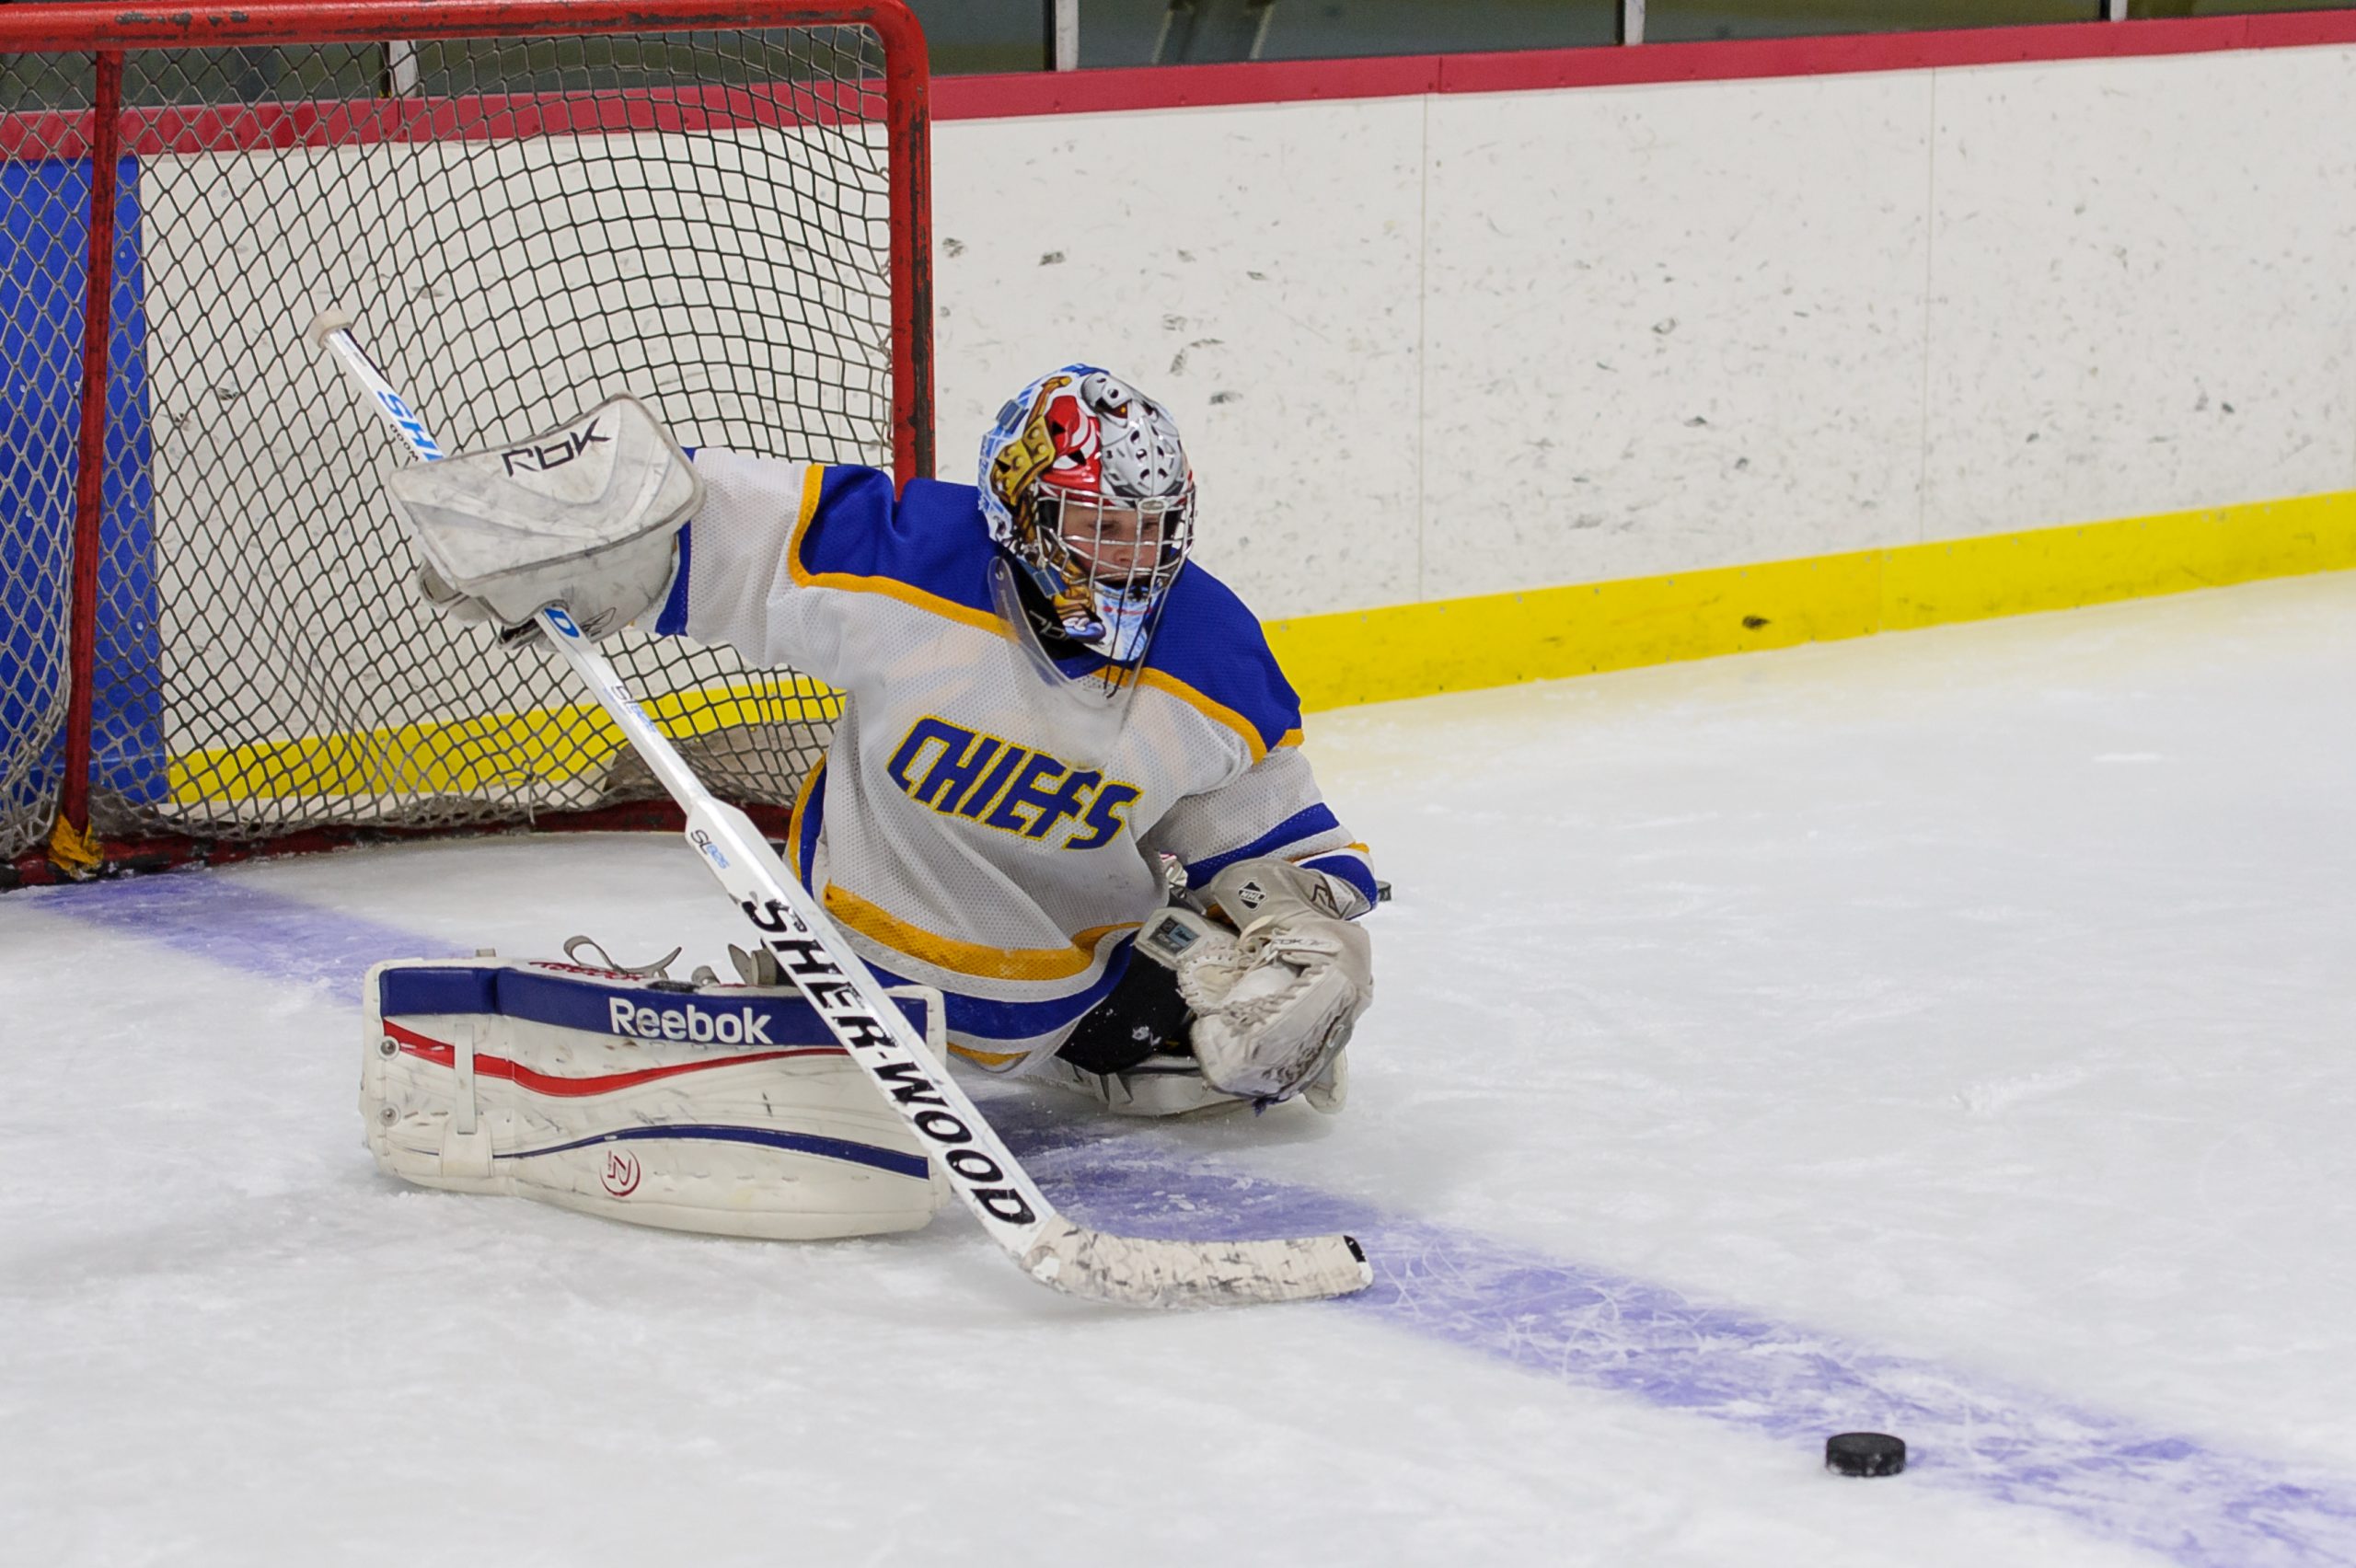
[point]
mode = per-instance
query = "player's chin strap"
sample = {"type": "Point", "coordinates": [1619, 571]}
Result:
{"type": "Point", "coordinates": [813, 956]}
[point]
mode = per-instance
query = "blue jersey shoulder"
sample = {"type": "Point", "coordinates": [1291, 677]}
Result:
{"type": "Point", "coordinates": [1211, 642]}
{"type": "Point", "coordinates": [930, 537]}
{"type": "Point", "coordinates": [933, 538]}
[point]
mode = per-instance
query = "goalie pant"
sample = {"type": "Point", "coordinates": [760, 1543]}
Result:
{"type": "Point", "coordinates": [973, 828]}
{"type": "Point", "coordinates": [728, 1110]}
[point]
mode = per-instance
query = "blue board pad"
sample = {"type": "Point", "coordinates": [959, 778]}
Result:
{"type": "Point", "coordinates": [44, 267]}
{"type": "Point", "coordinates": [607, 1007]}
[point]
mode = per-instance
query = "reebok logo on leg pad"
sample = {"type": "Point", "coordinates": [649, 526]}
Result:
{"type": "Point", "coordinates": [739, 1026]}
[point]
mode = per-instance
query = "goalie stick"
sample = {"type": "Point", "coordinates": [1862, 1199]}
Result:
{"type": "Point", "coordinates": [811, 952]}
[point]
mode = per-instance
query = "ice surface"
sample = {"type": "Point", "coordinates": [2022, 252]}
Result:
{"type": "Point", "coordinates": [1949, 1033]}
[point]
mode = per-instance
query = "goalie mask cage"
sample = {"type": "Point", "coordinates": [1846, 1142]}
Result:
{"type": "Point", "coordinates": [210, 645]}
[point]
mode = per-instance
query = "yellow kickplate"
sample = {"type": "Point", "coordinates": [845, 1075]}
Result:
{"type": "Point", "coordinates": [1493, 639]}
{"type": "Point", "coordinates": [492, 752]}
{"type": "Point", "coordinates": [1401, 651]}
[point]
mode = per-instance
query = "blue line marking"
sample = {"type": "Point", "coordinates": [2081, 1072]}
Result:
{"type": "Point", "coordinates": [2185, 1500]}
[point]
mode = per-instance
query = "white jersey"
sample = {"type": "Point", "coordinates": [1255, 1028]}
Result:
{"type": "Point", "coordinates": [976, 827]}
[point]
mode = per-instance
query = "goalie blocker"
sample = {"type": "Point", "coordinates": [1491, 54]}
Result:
{"type": "Point", "coordinates": [724, 1109]}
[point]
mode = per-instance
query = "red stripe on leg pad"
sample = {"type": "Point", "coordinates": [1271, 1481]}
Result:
{"type": "Point", "coordinates": [443, 1054]}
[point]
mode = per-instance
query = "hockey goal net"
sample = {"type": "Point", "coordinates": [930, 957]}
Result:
{"type": "Point", "coordinates": [210, 641]}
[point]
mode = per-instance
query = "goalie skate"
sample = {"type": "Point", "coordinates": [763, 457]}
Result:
{"type": "Point", "coordinates": [727, 1110]}
{"type": "Point", "coordinates": [1173, 1085]}
{"type": "Point", "coordinates": [1159, 1086]}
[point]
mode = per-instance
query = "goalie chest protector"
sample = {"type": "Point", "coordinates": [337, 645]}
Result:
{"type": "Point", "coordinates": [716, 1108]}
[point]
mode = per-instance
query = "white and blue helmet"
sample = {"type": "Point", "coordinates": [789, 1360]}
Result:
{"type": "Point", "coordinates": [1086, 487]}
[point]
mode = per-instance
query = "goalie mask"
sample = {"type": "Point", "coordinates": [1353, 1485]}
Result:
{"type": "Point", "coordinates": [1086, 489]}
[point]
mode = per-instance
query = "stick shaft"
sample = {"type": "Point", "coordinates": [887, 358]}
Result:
{"type": "Point", "coordinates": [334, 332]}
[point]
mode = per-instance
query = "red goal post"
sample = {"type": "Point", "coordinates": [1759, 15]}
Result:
{"type": "Point", "coordinates": [210, 646]}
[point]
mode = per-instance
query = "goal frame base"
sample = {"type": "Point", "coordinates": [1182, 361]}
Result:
{"type": "Point", "coordinates": [167, 852]}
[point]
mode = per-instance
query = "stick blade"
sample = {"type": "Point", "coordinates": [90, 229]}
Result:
{"type": "Point", "coordinates": [1127, 1271]}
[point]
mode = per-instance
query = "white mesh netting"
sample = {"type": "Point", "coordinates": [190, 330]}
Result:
{"type": "Point", "coordinates": [521, 227]}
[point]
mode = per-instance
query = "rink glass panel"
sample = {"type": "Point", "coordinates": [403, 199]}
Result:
{"type": "Point", "coordinates": [1195, 32]}
{"type": "Point", "coordinates": [2154, 9]}
{"type": "Point", "coordinates": [522, 227]}
{"type": "Point", "coordinates": [1695, 21]}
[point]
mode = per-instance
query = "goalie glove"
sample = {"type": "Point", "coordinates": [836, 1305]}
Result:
{"type": "Point", "coordinates": [585, 515]}
{"type": "Point", "coordinates": [1276, 1002]}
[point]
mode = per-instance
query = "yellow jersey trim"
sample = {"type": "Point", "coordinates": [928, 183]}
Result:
{"type": "Point", "coordinates": [852, 582]}
{"type": "Point", "coordinates": [814, 484]}
{"type": "Point", "coordinates": [1215, 711]}
{"type": "Point", "coordinates": [949, 609]}
{"type": "Point", "coordinates": [990, 1059]}
{"type": "Point", "coordinates": [802, 798]}
{"type": "Point", "coordinates": [969, 958]}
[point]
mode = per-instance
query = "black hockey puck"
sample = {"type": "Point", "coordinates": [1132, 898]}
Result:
{"type": "Point", "coordinates": [1864, 1453]}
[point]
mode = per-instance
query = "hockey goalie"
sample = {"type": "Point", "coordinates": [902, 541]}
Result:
{"type": "Point", "coordinates": [1064, 816]}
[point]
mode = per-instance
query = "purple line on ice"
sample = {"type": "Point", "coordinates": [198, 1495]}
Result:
{"type": "Point", "coordinates": [2178, 1498]}
{"type": "Point", "coordinates": [239, 926]}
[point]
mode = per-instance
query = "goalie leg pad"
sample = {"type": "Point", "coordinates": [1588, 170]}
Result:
{"type": "Point", "coordinates": [727, 1110]}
